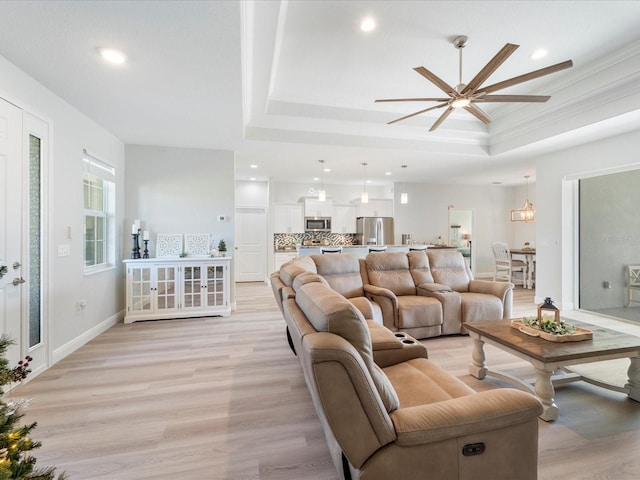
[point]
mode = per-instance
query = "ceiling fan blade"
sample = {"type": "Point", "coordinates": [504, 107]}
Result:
{"type": "Point", "coordinates": [413, 100]}
{"type": "Point", "coordinates": [437, 81]}
{"type": "Point", "coordinates": [479, 114]}
{"type": "Point", "coordinates": [416, 113]}
{"type": "Point", "coordinates": [500, 57]}
{"type": "Point", "coordinates": [512, 98]}
{"type": "Point", "coordinates": [441, 118]}
{"type": "Point", "coordinates": [528, 76]}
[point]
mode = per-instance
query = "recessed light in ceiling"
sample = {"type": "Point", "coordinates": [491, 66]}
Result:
{"type": "Point", "coordinates": [253, 166]}
{"type": "Point", "coordinates": [538, 54]}
{"type": "Point", "coordinates": [113, 56]}
{"type": "Point", "coordinates": [367, 24]}
{"type": "Point", "coordinates": [253, 179]}
{"type": "Point", "coordinates": [387, 173]}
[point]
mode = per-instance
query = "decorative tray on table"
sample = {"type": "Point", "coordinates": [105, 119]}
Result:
{"type": "Point", "coordinates": [549, 329]}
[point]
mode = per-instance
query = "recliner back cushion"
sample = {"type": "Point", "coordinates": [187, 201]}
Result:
{"type": "Point", "coordinates": [390, 270]}
{"type": "Point", "coordinates": [419, 267]}
{"type": "Point", "coordinates": [290, 270]}
{"type": "Point", "coordinates": [305, 278]}
{"type": "Point", "coordinates": [342, 272]}
{"type": "Point", "coordinates": [328, 311]}
{"type": "Point", "coordinates": [448, 268]}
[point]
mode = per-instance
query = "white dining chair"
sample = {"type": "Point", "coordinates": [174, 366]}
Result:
{"type": "Point", "coordinates": [507, 267]}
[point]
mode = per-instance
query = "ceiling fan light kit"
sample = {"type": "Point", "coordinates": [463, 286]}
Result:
{"type": "Point", "coordinates": [466, 96]}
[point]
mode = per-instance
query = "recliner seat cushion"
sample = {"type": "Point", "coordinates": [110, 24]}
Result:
{"type": "Point", "coordinates": [420, 381]}
{"type": "Point", "coordinates": [480, 306]}
{"type": "Point", "coordinates": [417, 311]}
{"type": "Point", "coordinates": [328, 311]}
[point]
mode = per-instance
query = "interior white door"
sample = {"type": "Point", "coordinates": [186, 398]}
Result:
{"type": "Point", "coordinates": [11, 283]}
{"type": "Point", "coordinates": [250, 256]}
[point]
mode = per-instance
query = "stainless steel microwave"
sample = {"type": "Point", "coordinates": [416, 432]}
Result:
{"type": "Point", "coordinates": [317, 224]}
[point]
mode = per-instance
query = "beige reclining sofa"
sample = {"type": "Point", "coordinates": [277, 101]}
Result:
{"type": "Point", "coordinates": [408, 418]}
{"type": "Point", "coordinates": [424, 294]}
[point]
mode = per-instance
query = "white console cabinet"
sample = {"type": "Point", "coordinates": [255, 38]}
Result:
{"type": "Point", "coordinates": [162, 288]}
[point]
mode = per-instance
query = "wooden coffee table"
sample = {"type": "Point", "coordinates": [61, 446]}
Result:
{"type": "Point", "coordinates": [548, 357]}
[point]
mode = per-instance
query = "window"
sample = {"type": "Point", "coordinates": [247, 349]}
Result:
{"type": "Point", "coordinates": [99, 214]}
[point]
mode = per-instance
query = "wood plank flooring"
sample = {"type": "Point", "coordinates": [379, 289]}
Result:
{"type": "Point", "coordinates": [224, 398]}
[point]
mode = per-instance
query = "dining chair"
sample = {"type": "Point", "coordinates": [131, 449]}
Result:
{"type": "Point", "coordinates": [331, 250]}
{"type": "Point", "coordinates": [633, 283]}
{"type": "Point", "coordinates": [507, 267]}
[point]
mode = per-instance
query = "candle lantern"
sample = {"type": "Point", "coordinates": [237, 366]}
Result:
{"type": "Point", "coordinates": [549, 308]}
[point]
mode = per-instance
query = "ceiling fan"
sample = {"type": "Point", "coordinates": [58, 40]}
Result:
{"type": "Point", "coordinates": [469, 95]}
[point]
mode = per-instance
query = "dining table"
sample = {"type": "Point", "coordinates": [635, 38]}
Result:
{"type": "Point", "coordinates": [530, 259]}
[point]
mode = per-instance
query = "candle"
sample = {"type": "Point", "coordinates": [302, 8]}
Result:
{"type": "Point", "coordinates": [134, 230]}
{"type": "Point", "coordinates": [145, 235]}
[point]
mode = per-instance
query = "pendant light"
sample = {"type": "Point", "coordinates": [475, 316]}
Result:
{"type": "Point", "coordinates": [404, 196]}
{"type": "Point", "coordinates": [322, 195]}
{"type": "Point", "coordinates": [527, 213]}
{"type": "Point", "coordinates": [365, 196]}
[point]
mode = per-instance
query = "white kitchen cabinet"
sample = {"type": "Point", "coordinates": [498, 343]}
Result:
{"type": "Point", "coordinates": [177, 288]}
{"type": "Point", "coordinates": [288, 218]}
{"type": "Point", "coordinates": [283, 257]}
{"type": "Point", "coordinates": [375, 207]}
{"type": "Point", "coordinates": [343, 219]}
{"type": "Point", "coordinates": [315, 208]}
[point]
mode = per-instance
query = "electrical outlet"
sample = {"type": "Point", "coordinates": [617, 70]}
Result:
{"type": "Point", "coordinates": [81, 305]}
{"type": "Point", "coordinates": [606, 284]}
{"type": "Point", "coordinates": [64, 250]}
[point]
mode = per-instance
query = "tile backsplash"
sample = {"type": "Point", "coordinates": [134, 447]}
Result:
{"type": "Point", "coordinates": [284, 240]}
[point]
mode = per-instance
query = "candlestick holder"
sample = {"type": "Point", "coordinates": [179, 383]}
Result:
{"type": "Point", "coordinates": [146, 249]}
{"type": "Point", "coordinates": [135, 251]}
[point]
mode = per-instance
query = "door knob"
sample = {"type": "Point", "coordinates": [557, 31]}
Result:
{"type": "Point", "coordinates": [18, 281]}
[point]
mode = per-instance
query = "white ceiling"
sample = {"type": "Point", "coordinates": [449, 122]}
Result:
{"type": "Point", "coordinates": [286, 83]}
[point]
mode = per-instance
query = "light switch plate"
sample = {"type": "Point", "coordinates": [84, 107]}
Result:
{"type": "Point", "coordinates": [64, 250]}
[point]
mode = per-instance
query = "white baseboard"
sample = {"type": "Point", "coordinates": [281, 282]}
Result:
{"type": "Point", "coordinates": [76, 343]}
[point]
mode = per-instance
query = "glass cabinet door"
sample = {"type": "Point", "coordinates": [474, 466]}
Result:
{"type": "Point", "coordinates": [166, 294]}
{"type": "Point", "coordinates": [192, 286]}
{"type": "Point", "coordinates": [140, 289]}
{"type": "Point", "coordinates": [215, 285]}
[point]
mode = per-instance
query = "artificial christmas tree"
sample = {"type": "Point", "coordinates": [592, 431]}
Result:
{"type": "Point", "coordinates": [15, 443]}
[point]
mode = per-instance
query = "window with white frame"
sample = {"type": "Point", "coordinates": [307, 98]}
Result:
{"type": "Point", "coordinates": [99, 214]}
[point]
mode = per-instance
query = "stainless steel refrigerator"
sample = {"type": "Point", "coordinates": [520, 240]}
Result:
{"type": "Point", "coordinates": [374, 231]}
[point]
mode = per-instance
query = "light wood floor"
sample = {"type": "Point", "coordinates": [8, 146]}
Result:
{"type": "Point", "coordinates": [224, 398]}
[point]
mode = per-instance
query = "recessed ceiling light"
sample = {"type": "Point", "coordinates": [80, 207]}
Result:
{"type": "Point", "coordinates": [387, 173]}
{"type": "Point", "coordinates": [253, 166]}
{"type": "Point", "coordinates": [113, 56]}
{"type": "Point", "coordinates": [538, 54]}
{"type": "Point", "coordinates": [316, 179]}
{"type": "Point", "coordinates": [367, 24]}
{"type": "Point", "coordinates": [253, 179]}
{"type": "Point", "coordinates": [327, 169]}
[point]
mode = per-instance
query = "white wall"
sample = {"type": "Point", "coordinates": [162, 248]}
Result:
{"type": "Point", "coordinates": [556, 175]}
{"type": "Point", "coordinates": [426, 216]}
{"type": "Point", "coordinates": [69, 133]}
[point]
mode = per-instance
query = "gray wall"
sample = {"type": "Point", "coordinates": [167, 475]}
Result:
{"type": "Point", "coordinates": [609, 237]}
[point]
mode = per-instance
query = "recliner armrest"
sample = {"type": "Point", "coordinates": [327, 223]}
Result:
{"type": "Point", "coordinates": [471, 414]}
{"type": "Point", "coordinates": [388, 303]}
{"type": "Point", "coordinates": [499, 289]}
